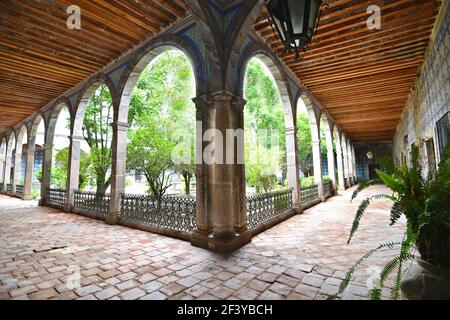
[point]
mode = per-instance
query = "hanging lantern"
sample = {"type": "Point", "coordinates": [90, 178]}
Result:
{"type": "Point", "coordinates": [370, 155]}
{"type": "Point", "coordinates": [295, 22]}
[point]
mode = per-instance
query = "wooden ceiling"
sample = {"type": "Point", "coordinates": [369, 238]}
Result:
{"type": "Point", "coordinates": [363, 77]}
{"type": "Point", "coordinates": [40, 58]}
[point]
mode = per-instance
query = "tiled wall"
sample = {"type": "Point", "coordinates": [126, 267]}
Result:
{"type": "Point", "coordinates": [429, 100]}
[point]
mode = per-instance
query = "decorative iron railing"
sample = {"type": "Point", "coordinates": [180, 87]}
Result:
{"type": "Point", "coordinates": [346, 182]}
{"type": "Point", "coordinates": [2, 185]}
{"type": "Point", "coordinates": [264, 207]}
{"type": "Point", "coordinates": [170, 212]}
{"type": "Point", "coordinates": [9, 188]}
{"type": "Point", "coordinates": [308, 194]}
{"type": "Point", "coordinates": [19, 190]}
{"type": "Point", "coordinates": [56, 196]}
{"type": "Point", "coordinates": [92, 202]}
{"type": "Point", "coordinates": [355, 180]}
{"type": "Point", "coordinates": [328, 188]}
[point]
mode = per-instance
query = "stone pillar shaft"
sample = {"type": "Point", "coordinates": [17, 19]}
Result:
{"type": "Point", "coordinates": [292, 164]}
{"type": "Point", "coordinates": [73, 174]}
{"type": "Point", "coordinates": [28, 182]}
{"type": "Point", "coordinates": [317, 162]}
{"type": "Point", "coordinates": [7, 175]}
{"type": "Point", "coordinates": [17, 170]}
{"type": "Point", "coordinates": [330, 158]}
{"type": "Point", "coordinates": [340, 165]}
{"type": "Point", "coordinates": [221, 221]}
{"type": "Point", "coordinates": [118, 169]}
{"type": "Point", "coordinates": [46, 169]}
{"type": "Point", "coordinates": [345, 161]}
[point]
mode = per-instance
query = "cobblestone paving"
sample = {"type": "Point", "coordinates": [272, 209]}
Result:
{"type": "Point", "coordinates": [46, 254]}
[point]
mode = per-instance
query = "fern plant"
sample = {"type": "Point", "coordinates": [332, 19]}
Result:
{"type": "Point", "coordinates": [425, 203]}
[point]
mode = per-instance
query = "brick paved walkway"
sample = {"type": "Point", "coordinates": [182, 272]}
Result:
{"type": "Point", "coordinates": [301, 258]}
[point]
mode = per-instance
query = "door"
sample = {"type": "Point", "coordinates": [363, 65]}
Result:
{"type": "Point", "coordinates": [372, 172]}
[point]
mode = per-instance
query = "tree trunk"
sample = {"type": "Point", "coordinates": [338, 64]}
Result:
{"type": "Point", "coordinates": [187, 183]}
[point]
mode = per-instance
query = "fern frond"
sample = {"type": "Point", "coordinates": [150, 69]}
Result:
{"type": "Point", "coordinates": [359, 213]}
{"type": "Point", "coordinates": [390, 181]}
{"type": "Point", "coordinates": [375, 293]}
{"type": "Point", "coordinates": [348, 276]}
{"type": "Point", "coordinates": [364, 185]}
{"type": "Point", "coordinates": [396, 213]}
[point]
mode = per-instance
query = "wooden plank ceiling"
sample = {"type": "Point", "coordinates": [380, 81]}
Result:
{"type": "Point", "coordinates": [363, 77]}
{"type": "Point", "coordinates": [40, 58]}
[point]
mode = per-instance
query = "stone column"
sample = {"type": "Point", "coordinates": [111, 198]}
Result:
{"type": "Point", "coordinates": [340, 165]}
{"type": "Point", "coordinates": [73, 174]}
{"type": "Point", "coordinates": [354, 165]}
{"type": "Point", "coordinates": [28, 181]}
{"type": "Point", "coordinates": [118, 168]}
{"type": "Point", "coordinates": [292, 165]}
{"type": "Point", "coordinates": [7, 170]}
{"type": "Point", "coordinates": [330, 157]}
{"type": "Point", "coordinates": [221, 221]}
{"type": "Point", "coordinates": [17, 169]}
{"type": "Point", "coordinates": [46, 170]}
{"type": "Point", "coordinates": [2, 169]}
{"type": "Point", "coordinates": [317, 162]}
{"type": "Point", "coordinates": [204, 217]}
{"type": "Point", "coordinates": [350, 163]}
{"type": "Point", "coordinates": [345, 159]}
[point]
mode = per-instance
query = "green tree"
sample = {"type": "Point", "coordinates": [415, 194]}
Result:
{"type": "Point", "coordinates": [148, 151]}
{"type": "Point", "coordinates": [162, 115]}
{"type": "Point", "coordinates": [263, 111]}
{"type": "Point", "coordinates": [60, 169]}
{"type": "Point", "coordinates": [97, 131]}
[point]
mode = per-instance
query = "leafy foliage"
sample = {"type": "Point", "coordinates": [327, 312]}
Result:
{"type": "Point", "coordinates": [97, 132]}
{"type": "Point", "coordinates": [163, 122]}
{"type": "Point", "coordinates": [425, 203]}
{"type": "Point", "coordinates": [265, 156]}
{"type": "Point", "coordinates": [60, 169]}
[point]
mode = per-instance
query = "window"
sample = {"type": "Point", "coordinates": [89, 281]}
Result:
{"type": "Point", "coordinates": [443, 133]}
{"type": "Point", "coordinates": [430, 155]}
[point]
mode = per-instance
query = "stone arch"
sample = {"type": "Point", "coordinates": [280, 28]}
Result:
{"type": "Point", "coordinates": [11, 145]}
{"type": "Point", "coordinates": [35, 123]}
{"type": "Point", "coordinates": [21, 132]}
{"type": "Point", "coordinates": [88, 90]}
{"type": "Point", "coordinates": [260, 52]}
{"type": "Point", "coordinates": [238, 48]}
{"type": "Point", "coordinates": [11, 142]}
{"type": "Point", "coordinates": [3, 146]}
{"type": "Point", "coordinates": [313, 114]}
{"type": "Point", "coordinates": [151, 51]}
{"type": "Point", "coordinates": [50, 122]}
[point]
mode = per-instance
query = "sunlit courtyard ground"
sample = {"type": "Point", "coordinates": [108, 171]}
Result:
{"type": "Point", "coordinates": [47, 254]}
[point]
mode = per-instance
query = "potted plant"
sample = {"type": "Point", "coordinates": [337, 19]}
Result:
{"type": "Point", "coordinates": [425, 203]}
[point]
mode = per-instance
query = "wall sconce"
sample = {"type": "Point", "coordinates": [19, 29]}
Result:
{"type": "Point", "coordinates": [370, 155]}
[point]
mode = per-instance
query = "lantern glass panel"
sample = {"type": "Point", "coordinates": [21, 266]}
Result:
{"type": "Point", "coordinates": [297, 9]}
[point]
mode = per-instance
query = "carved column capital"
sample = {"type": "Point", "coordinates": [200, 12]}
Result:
{"type": "Point", "coordinates": [291, 131]}
{"type": "Point", "coordinates": [120, 126]}
{"type": "Point", "coordinates": [74, 138]}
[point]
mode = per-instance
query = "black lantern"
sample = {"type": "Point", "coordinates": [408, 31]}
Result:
{"type": "Point", "coordinates": [295, 22]}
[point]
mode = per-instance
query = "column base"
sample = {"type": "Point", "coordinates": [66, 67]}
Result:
{"type": "Point", "coordinates": [323, 198]}
{"type": "Point", "coordinates": [112, 218]}
{"type": "Point", "coordinates": [27, 197]}
{"type": "Point", "coordinates": [221, 245]}
{"type": "Point", "coordinates": [298, 209]}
